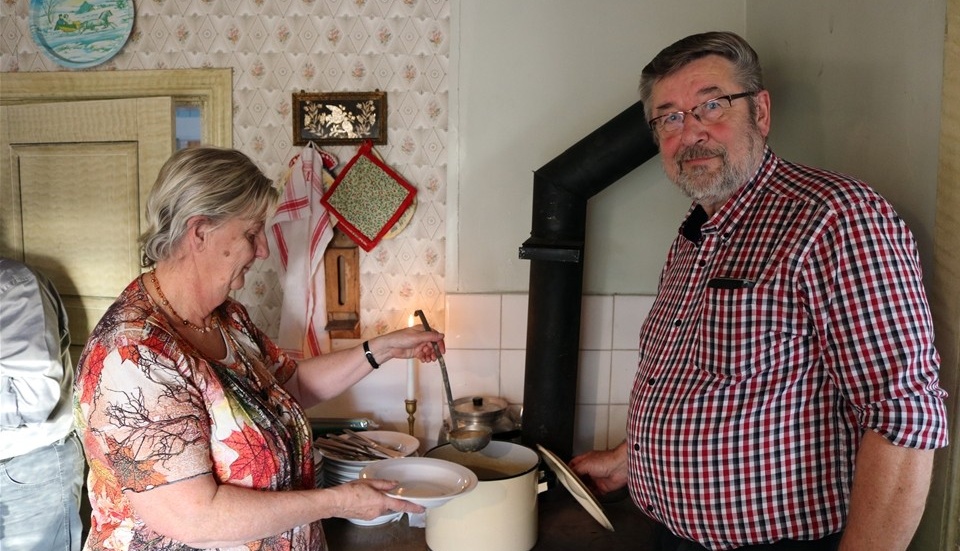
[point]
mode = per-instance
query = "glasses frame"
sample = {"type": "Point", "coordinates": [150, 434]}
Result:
{"type": "Point", "coordinates": [655, 123]}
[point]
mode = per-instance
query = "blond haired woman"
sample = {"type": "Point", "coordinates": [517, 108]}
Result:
{"type": "Point", "coordinates": [192, 419]}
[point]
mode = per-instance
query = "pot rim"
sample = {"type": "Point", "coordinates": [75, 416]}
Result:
{"type": "Point", "coordinates": [532, 468]}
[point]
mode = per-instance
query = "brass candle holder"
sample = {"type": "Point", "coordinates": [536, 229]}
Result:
{"type": "Point", "coordinates": [411, 406]}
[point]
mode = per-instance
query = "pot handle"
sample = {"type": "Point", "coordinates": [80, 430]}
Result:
{"type": "Point", "coordinates": [543, 481]}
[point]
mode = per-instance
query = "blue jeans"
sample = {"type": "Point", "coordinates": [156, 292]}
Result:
{"type": "Point", "coordinates": [40, 498]}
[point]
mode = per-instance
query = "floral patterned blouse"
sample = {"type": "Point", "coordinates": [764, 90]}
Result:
{"type": "Point", "coordinates": [152, 410]}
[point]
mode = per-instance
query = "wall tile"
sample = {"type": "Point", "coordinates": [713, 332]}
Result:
{"type": "Point", "coordinates": [593, 380]}
{"type": "Point", "coordinates": [473, 372]}
{"type": "Point", "coordinates": [622, 370]}
{"type": "Point", "coordinates": [590, 428]}
{"type": "Point", "coordinates": [596, 323]}
{"type": "Point", "coordinates": [628, 315]}
{"type": "Point", "coordinates": [617, 429]}
{"type": "Point", "coordinates": [431, 405]}
{"type": "Point", "coordinates": [379, 396]}
{"type": "Point", "coordinates": [473, 321]}
{"type": "Point", "coordinates": [512, 371]}
{"type": "Point", "coordinates": [513, 326]}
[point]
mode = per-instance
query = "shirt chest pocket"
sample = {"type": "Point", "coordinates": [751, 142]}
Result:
{"type": "Point", "coordinates": [745, 329]}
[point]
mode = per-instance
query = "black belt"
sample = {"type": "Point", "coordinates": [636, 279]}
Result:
{"type": "Point", "coordinates": [668, 541]}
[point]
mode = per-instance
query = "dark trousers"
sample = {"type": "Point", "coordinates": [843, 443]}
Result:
{"type": "Point", "coordinates": [667, 541]}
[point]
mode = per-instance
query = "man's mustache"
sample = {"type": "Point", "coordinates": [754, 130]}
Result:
{"type": "Point", "coordinates": [699, 152]}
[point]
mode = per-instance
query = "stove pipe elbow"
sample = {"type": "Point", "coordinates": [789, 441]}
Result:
{"type": "Point", "coordinates": [561, 189]}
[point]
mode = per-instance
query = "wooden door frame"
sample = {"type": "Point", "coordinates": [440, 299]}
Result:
{"type": "Point", "coordinates": [211, 89]}
{"type": "Point", "coordinates": [941, 523]}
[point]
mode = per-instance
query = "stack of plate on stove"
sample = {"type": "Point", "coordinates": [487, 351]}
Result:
{"type": "Point", "coordinates": [345, 455]}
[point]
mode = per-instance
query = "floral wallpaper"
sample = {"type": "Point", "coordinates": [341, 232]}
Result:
{"type": "Point", "coordinates": [277, 47]}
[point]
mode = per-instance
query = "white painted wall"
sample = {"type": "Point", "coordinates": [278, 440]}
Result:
{"type": "Point", "coordinates": [533, 78]}
{"type": "Point", "coordinates": [855, 86]}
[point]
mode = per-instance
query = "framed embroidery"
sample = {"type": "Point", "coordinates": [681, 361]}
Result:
{"type": "Point", "coordinates": [339, 118]}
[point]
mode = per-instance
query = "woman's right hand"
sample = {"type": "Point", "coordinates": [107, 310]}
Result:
{"type": "Point", "coordinates": [365, 499]}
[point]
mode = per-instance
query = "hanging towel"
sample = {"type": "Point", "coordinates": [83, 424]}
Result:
{"type": "Point", "coordinates": [301, 231]}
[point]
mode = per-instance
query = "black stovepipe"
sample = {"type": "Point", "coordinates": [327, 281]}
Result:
{"type": "Point", "coordinates": [561, 189]}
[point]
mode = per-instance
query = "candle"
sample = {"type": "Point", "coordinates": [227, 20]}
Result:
{"type": "Point", "coordinates": [411, 374]}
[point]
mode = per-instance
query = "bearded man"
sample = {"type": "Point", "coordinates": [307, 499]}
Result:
{"type": "Point", "coordinates": [787, 392]}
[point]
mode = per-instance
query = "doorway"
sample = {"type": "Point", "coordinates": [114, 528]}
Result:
{"type": "Point", "coordinates": [49, 174]}
{"type": "Point", "coordinates": [53, 188]}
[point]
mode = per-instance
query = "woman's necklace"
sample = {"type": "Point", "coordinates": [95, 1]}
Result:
{"type": "Point", "coordinates": [165, 302]}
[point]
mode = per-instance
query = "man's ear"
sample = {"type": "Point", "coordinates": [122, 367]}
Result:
{"type": "Point", "coordinates": [763, 112]}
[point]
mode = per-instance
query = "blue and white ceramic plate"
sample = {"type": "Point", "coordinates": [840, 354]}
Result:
{"type": "Point", "coordinates": [80, 33]}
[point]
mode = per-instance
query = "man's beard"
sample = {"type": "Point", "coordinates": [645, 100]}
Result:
{"type": "Point", "coordinates": [706, 187]}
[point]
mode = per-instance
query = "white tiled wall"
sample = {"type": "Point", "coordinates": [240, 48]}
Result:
{"type": "Point", "coordinates": [479, 324]}
{"type": "Point", "coordinates": [486, 337]}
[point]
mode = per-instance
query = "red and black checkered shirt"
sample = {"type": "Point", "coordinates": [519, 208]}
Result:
{"type": "Point", "coordinates": [786, 325]}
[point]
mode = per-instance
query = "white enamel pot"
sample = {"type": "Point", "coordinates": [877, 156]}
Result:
{"type": "Point", "coordinates": [500, 513]}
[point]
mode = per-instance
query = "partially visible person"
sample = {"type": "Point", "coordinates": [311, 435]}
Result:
{"type": "Point", "coordinates": [41, 464]}
{"type": "Point", "coordinates": [787, 392]}
{"type": "Point", "coordinates": [192, 418]}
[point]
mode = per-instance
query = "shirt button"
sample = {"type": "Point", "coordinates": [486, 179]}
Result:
{"type": "Point", "coordinates": [702, 263]}
{"type": "Point", "coordinates": [677, 322]}
{"type": "Point", "coordinates": [650, 507]}
{"type": "Point", "coordinates": [636, 447]}
{"type": "Point", "coordinates": [651, 381]}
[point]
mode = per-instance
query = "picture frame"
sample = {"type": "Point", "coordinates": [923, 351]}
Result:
{"type": "Point", "coordinates": [339, 118]}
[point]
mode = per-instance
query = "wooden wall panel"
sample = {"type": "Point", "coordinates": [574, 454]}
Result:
{"type": "Point", "coordinates": [940, 528]}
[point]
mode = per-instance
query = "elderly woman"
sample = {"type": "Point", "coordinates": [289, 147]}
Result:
{"type": "Point", "coordinates": [192, 419]}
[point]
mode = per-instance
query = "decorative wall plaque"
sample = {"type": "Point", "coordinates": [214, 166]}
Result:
{"type": "Point", "coordinates": [338, 118]}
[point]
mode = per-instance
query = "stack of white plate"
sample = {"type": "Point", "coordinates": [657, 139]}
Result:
{"type": "Point", "coordinates": [335, 470]}
{"type": "Point", "coordinates": [339, 470]}
{"type": "Point", "coordinates": [318, 467]}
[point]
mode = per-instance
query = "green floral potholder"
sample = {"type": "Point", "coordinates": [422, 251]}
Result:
{"type": "Point", "coordinates": [368, 198]}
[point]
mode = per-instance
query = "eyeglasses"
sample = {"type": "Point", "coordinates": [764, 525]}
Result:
{"type": "Point", "coordinates": [707, 112]}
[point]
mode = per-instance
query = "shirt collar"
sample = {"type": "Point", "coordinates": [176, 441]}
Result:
{"type": "Point", "coordinates": [728, 216]}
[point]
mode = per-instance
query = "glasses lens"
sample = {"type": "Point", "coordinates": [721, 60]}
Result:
{"type": "Point", "coordinates": [671, 123]}
{"type": "Point", "coordinates": [712, 110]}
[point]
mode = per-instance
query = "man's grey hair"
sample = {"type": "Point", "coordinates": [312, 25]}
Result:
{"type": "Point", "coordinates": [727, 45]}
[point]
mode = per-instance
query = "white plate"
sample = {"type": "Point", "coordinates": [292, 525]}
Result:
{"type": "Point", "coordinates": [423, 480]}
{"type": "Point", "coordinates": [333, 480]}
{"type": "Point", "coordinates": [332, 466]}
{"type": "Point", "coordinates": [389, 517]}
{"type": "Point", "coordinates": [575, 486]}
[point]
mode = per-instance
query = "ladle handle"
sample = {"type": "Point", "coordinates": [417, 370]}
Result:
{"type": "Point", "coordinates": [443, 368]}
